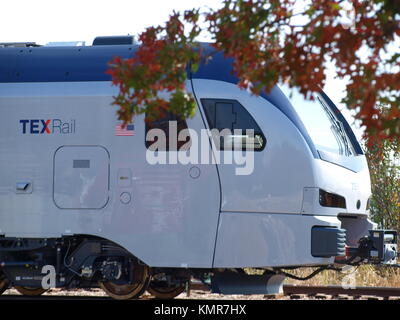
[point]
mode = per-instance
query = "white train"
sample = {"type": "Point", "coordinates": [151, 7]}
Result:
{"type": "Point", "coordinates": [85, 202]}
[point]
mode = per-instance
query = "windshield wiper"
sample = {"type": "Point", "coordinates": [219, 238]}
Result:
{"type": "Point", "coordinates": [339, 131]}
{"type": "Point", "coordinates": [344, 137]}
{"type": "Point", "coordinates": [337, 137]}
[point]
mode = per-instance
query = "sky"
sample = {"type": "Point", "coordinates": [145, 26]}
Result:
{"type": "Point", "coordinates": [44, 21]}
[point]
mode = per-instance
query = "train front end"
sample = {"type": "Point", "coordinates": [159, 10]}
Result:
{"type": "Point", "coordinates": [342, 187]}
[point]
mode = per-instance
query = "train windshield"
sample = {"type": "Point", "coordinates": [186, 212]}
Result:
{"type": "Point", "coordinates": [324, 128]}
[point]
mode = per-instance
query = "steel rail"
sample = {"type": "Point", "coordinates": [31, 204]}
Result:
{"type": "Point", "coordinates": [288, 290]}
{"type": "Point", "coordinates": [332, 290]}
{"type": "Point", "coordinates": [384, 292]}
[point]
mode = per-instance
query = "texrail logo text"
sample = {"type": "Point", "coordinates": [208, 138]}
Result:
{"type": "Point", "coordinates": [47, 126]}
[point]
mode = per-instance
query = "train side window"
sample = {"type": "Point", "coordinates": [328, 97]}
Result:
{"type": "Point", "coordinates": [167, 133]}
{"type": "Point", "coordinates": [224, 114]}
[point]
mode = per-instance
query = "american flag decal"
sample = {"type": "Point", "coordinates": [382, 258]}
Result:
{"type": "Point", "coordinates": [129, 130]}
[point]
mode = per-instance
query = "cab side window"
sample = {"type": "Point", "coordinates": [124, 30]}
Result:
{"type": "Point", "coordinates": [240, 130]}
{"type": "Point", "coordinates": [170, 133]}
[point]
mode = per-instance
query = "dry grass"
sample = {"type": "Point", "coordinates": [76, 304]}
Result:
{"type": "Point", "coordinates": [365, 275]}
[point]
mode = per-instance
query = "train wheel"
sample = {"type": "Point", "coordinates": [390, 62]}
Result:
{"type": "Point", "coordinates": [3, 282]}
{"type": "Point", "coordinates": [160, 291]}
{"type": "Point", "coordinates": [29, 291]}
{"type": "Point", "coordinates": [129, 291]}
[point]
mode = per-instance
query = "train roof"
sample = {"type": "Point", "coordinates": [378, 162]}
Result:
{"type": "Point", "coordinates": [32, 63]}
{"type": "Point", "coordinates": [89, 63]}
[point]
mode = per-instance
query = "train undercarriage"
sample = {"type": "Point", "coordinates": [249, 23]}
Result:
{"type": "Point", "coordinates": [33, 266]}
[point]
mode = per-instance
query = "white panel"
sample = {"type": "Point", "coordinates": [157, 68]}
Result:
{"type": "Point", "coordinates": [30, 157]}
{"type": "Point", "coordinates": [171, 219]}
{"type": "Point", "coordinates": [172, 216]}
{"type": "Point", "coordinates": [353, 186]}
{"type": "Point", "coordinates": [267, 240]}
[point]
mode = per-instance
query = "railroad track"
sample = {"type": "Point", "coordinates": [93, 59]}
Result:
{"type": "Point", "coordinates": [329, 292]}
{"type": "Point", "coordinates": [338, 292]}
{"type": "Point", "coordinates": [198, 290]}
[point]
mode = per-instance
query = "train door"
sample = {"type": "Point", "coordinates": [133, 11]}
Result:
{"type": "Point", "coordinates": [224, 107]}
{"type": "Point", "coordinates": [252, 180]}
{"type": "Point", "coordinates": [175, 198]}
